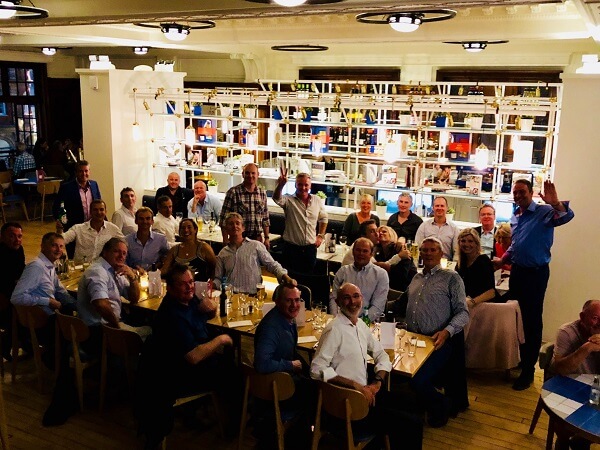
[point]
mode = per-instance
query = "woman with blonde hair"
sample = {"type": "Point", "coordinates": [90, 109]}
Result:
{"type": "Point", "coordinates": [354, 220]}
{"type": "Point", "coordinates": [394, 258]}
{"type": "Point", "coordinates": [475, 269]}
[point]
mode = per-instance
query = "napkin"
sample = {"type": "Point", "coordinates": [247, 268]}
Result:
{"type": "Point", "coordinates": [306, 339]}
{"type": "Point", "coordinates": [240, 323]}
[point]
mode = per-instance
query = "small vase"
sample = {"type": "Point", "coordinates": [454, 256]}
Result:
{"type": "Point", "coordinates": [335, 116]}
{"type": "Point", "coordinates": [526, 124]}
{"type": "Point", "coordinates": [476, 123]}
{"type": "Point", "coordinates": [249, 113]}
{"type": "Point", "coordinates": [381, 211]}
{"type": "Point", "coordinates": [213, 189]}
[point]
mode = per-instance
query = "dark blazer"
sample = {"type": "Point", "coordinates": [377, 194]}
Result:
{"type": "Point", "coordinates": [180, 199]}
{"type": "Point", "coordinates": [69, 193]}
{"type": "Point", "coordinates": [479, 230]}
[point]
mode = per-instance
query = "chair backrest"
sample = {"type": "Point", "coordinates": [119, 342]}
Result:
{"type": "Point", "coordinates": [31, 316]}
{"type": "Point", "coordinates": [72, 328]}
{"type": "Point", "coordinates": [318, 284]}
{"type": "Point", "coordinates": [545, 359]}
{"type": "Point", "coordinates": [394, 295]}
{"type": "Point", "coordinates": [5, 177]}
{"type": "Point", "coordinates": [123, 343]}
{"type": "Point", "coordinates": [306, 295]}
{"type": "Point", "coordinates": [342, 402]}
{"type": "Point", "coordinates": [262, 386]}
{"type": "Point", "coordinates": [48, 187]}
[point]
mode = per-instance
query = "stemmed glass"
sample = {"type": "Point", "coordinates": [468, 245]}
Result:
{"type": "Point", "coordinates": [401, 326]}
{"type": "Point", "coordinates": [343, 240]}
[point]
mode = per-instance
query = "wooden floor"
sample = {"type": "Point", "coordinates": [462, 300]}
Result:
{"type": "Point", "coordinates": [497, 418]}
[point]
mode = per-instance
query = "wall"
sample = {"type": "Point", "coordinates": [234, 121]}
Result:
{"type": "Point", "coordinates": [573, 269]}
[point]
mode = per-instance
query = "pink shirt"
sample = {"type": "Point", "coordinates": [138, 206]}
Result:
{"type": "Point", "coordinates": [86, 199]}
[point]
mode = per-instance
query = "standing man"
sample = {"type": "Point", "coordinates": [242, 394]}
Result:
{"type": "Point", "coordinates": [241, 260]}
{"type": "Point", "coordinates": [405, 223]}
{"type": "Point", "coordinates": [440, 228]}
{"type": "Point", "coordinates": [39, 284]}
{"type": "Point", "coordinates": [487, 230]}
{"type": "Point", "coordinates": [178, 195]}
{"type": "Point", "coordinates": [203, 205]}
{"type": "Point", "coordinates": [77, 196]}
{"type": "Point", "coordinates": [90, 236]}
{"type": "Point", "coordinates": [124, 217]}
{"type": "Point", "coordinates": [145, 247]}
{"type": "Point", "coordinates": [437, 307]}
{"type": "Point", "coordinates": [250, 201]}
{"type": "Point", "coordinates": [303, 211]}
{"type": "Point", "coordinates": [372, 280]}
{"type": "Point", "coordinates": [532, 237]}
{"type": "Point", "coordinates": [24, 162]}
{"type": "Point", "coordinates": [12, 263]}
{"type": "Point", "coordinates": [164, 222]}
{"type": "Point", "coordinates": [341, 358]}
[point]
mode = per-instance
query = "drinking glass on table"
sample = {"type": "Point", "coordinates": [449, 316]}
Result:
{"type": "Point", "coordinates": [401, 326]}
{"type": "Point", "coordinates": [178, 216]}
{"type": "Point", "coordinates": [343, 241]}
{"type": "Point", "coordinates": [261, 295]}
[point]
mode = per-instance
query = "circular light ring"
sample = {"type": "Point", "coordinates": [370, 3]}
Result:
{"type": "Point", "coordinates": [11, 10]}
{"type": "Point", "coordinates": [203, 25]}
{"type": "Point", "coordinates": [300, 48]}
{"type": "Point", "coordinates": [307, 2]}
{"type": "Point", "coordinates": [426, 15]}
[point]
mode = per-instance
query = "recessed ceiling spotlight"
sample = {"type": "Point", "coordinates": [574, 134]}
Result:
{"type": "Point", "coordinates": [177, 31]}
{"type": "Point", "coordinates": [406, 21]}
{"type": "Point", "coordinates": [49, 51]}
{"type": "Point", "coordinates": [140, 50]}
{"type": "Point", "coordinates": [475, 46]}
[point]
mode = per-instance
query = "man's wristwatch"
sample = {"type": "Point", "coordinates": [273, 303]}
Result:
{"type": "Point", "coordinates": [378, 378]}
{"type": "Point", "coordinates": [322, 236]}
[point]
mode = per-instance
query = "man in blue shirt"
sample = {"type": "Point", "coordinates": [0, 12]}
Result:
{"type": "Point", "coordinates": [532, 237]}
{"type": "Point", "coordinates": [145, 247]}
{"type": "Point", "coordinates": [203, 205]}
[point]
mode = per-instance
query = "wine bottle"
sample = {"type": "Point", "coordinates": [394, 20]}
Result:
{"type": "Point", "coordinates": [223, 298]}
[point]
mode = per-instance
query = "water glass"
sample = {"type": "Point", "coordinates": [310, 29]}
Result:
{"type": "Point", "coordinates": [401, 327]}
{"type": "Point", "coordinates": [412, 346]}
{"type": "Point", "coordinates": [71, 266]}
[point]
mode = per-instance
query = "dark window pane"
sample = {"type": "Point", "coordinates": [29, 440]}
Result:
{"type": "Point", "coordinates": [13, 88]}
{"type": "Point", "coordinates": [12, 74]}
{"type": "Point", "coordinates": [21, 75]}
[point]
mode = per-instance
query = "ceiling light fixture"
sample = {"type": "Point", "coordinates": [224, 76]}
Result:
{"type": "Point", "coordinates": [475, 46]}
{"type": "Point", "coordinates": [140, 50]}
{"type": "Point", "coordinates": [300, 48]}
{"type": "Point", "coordinates": [176, 31]}
{"type": "Point", "coordinates": [49, 51]}
{"type": "Point", "coordinates": [406, 21]}
{"type": "Point", "coordinates": [292, 3]}
{"type": "Point", "coordinates": [12, 9]}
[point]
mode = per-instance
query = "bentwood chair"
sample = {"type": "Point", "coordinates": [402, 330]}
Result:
{"type": "Point", "coordinates": [7, 196]}
{"type": "Point", "coordinates": [345, 404]}
{"type": "Point", "coordinates": [272, 387]}
{"type": "Point", "coordinates": [32, 318]}
{"type": "Point", "coordinates": [47, 191]}
{"type": "Point", "coordinates": [545, 358]}
{"type": "Point", "coordinates": [127, 345]}
{"type": "Point", "coordinates": [75, 331]}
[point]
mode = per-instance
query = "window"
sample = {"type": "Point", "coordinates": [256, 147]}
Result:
{"type": "Point", "coordinates": [20, 101]}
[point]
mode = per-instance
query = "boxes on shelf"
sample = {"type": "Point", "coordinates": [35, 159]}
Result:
{"type": "Point", "coordinates": [319, 139]}
{"type": "Point", "coordinates": [207, 132]}
{"type": "Point", "coordinates": [458, 151]}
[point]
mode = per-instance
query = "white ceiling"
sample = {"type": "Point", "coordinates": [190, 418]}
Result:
{"type": "Point", "coordinates": [248, 30]}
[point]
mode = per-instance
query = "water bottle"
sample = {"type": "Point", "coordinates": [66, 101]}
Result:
{"type": "Point", "coordinates": [595, 391]}
{"type": "Point", "coordinates": [154, 282]}
{"type": "Point", "coordinates": [223, 298]}
{"type": "Point", "coordinates": [365, 316]}
{"type": "Point", "coordinates": [62, 214]}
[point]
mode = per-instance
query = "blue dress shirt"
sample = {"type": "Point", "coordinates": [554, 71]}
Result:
{"type": "Point", "coordinates": [212, 204]}
{"type": "Point", "coordinates": [275, 343]}
{"type": "Point", "coordinates": [145, 255]}
{"type": "Point", "coordinates": [533, 234]}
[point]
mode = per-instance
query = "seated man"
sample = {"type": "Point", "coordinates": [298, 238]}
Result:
{"type": "Point", "coordinates": [90, 236]}
{"type": "Point", "coordinates": [344, 347]}
{"type": "Point", "coordinates": [577, 347]}
{"type": "Point", "coordinates": [124, 217]}
{"type": "Point", "coordinates": [178, 195]}
{"type": "Point", "coordinates": [102, 286]}
{"type": "Point", "coordinates": [145, 247]}
{"type": "Point", "coordinates": [183, 358]}
{"type": "Point", "coordinates": [164, 222]}
{"type": "Point", "coordinates": [275, 351]}
{"type": "Point", "coordinates": [373, 281]}
{"type": "Point", "coordinates": [203, 205]}
{"type": "Point", "coordinates": [367, 229]}
{"type": "Point", "coordinates": [241, 260]}
{"type": "Point", "coordinates": [437, 307]}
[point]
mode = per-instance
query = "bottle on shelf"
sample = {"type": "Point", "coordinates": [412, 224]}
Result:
{"type": "Point", "coordinates": [223, 298]}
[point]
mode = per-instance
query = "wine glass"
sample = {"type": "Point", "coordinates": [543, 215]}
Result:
{"type": "Point", "coordinates": [343, 241]}
{"type": "Point", "coordinates": [401, 326]}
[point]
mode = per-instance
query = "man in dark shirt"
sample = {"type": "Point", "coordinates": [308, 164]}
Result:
{"type": "Point", "coordinates": [183, 359]}
{"type": "Point", "coordinates": [12, 264]}
{"type": "Point", "coordinates": [405, 223]}
{"type": "Point", "coordinates": [179, 196]}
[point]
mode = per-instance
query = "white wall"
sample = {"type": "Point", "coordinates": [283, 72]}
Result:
{"type": "Point", "coordinates": [573, 270]}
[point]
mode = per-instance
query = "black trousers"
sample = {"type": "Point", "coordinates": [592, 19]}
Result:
{"type": "Point", "coordinates": [299, 258]}
{"type": "Point", "coordinates": [528, 285]}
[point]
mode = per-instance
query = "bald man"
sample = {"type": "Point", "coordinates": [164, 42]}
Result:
{"type": "Point", "coordinates": [179, 196]}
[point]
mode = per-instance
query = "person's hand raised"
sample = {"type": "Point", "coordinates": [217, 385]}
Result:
{"type": "Point", "coordinates": [283, 176]}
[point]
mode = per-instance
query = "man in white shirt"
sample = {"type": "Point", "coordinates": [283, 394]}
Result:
{"type": "Point", "coordinates": [440, 228]}
{"type": "Point", "coordinates": [124, 217]}
{"type": "Point", "coordinates": [372, 280]}
{"type": "Point", "coordinates": [487, 229]}
{"type": "Point", "coordinates": [203, 204]}
{"type": "Point", "coordinates": [90, 236]}
{"type": "Point", "coordinates": [341, 358]}
{"type": "Point", "coordinates": [164, 222]}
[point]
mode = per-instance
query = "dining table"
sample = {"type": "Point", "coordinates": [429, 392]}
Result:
{"type": "Point", "coordinates": [565, 399]}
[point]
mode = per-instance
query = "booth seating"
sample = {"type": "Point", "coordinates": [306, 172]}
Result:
{"type": "Point", "coordinates": [493, 336]}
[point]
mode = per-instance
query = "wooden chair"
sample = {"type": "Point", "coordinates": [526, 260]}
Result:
{"type": "Point", "coordinates": [545, 358]}
{"type": "Point", "coordinates": [33, 318]}
{"type": "Point", "coordinates": [306, 295]}
{"type": "Point", "coordinates": [74, 330]}
{"type": "Point", "coordinates": [126, 344]}
{"type": "Point", "coordinates": [3, 427]}
{"type": "Point", "coordinates": [346, 404]}
{"type": "Point", "coordinates": [7, 196]}
{"type": "Point", "coordinates": [272, 387]}
{"type": "Point", "coordinates": [46, 189]}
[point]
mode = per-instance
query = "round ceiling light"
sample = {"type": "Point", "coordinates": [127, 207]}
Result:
{"type": "Point", "coordinates": [474, 46]}
{"type": "Point", "coordinates": [176, 31]}
{"type": "Point", "coordinates": [290, 3]}
{"type": "Point", "coordinates": [12, 9]}
{"type": "Point", "coordinates": [406, 21]}
{"type": "Point", "coordinates": [300, 48]}
{"type": "Point", "coordinates": [49, 51]}
{"type": "Point", "coordinates": [140, 50]}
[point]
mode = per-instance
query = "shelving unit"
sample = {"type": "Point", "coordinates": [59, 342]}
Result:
{"type": "Point", "coordinates": [395, 125]}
